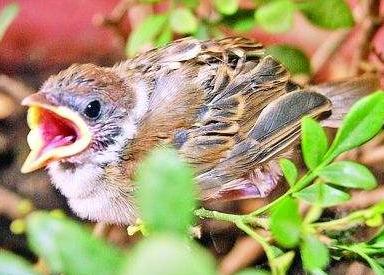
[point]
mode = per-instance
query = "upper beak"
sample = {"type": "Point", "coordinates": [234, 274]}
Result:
{"type": "Point", "coordinates": [56, 132]}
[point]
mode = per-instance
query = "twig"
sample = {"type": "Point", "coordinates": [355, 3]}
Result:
{"type": "Point", "coordinates": [351, 220]}
{"type": "Point", "coordinates": [327, 50]}
{"type": "Point", "coordinates": [374, 156]}
{"type": "Point", "coordinates": [369, 28]}
{"type": "Point", "coordinates": [233, 218]}
{"type": "Point", "coordinates": [362, 199]}
{"type": "Point", "coordinates": [14, 88]}
{"type": "Point", "coordinates": [9, 203]}
{"type": "Point", "coordinates": [245, 251]}
{"type": "Point", "coordinates": [357, 268]}
{"type": "Point", "coordinates": [115, 19]}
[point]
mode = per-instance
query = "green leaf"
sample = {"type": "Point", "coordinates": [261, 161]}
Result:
{"type": "Point", "coordinates": [275, 16]}
{"type": "Point", "coordinates": [322, 195]}
{"type": "Point", "coordinates": [363, 122]}
{"type": "Point", "coordinates": [329, 14]}
{"type": "Point", "coordinates": [289, 170]}
{"type": "Point", "coordinates": [190, 3]}
{"type": "Point", "coordinates": [68, 248]}
{"type": "Point", "coordinates": [167, 192]}
{"type": "Point", "coordinates": [145, 33]}
{"type": "Point", "coordinates": [286, 223]}
{"type": "Point", "coordinates": [241, 21]}
{"type": "Point", "coordinates": [252, 271]}
{"type": "Point", "coordinates": [14, 265]}
{"type": "Point", "coordinates": [202, 32]}
{"type": "Point", "coordinates": [7, 15]}
{"type": "Point", "coordinates": [314, 143]}
{"type": "Point", "coordinates": [348, 174]}
{"type": "Point", "coordinates": [183, 21]}
{"type": "Point", "coordinates": [375, 220]}
{"type": "Point", "coordinates": [244, 25]}
{"type": "Point", "coordinates": [292, 58]}
{"type": "Point", "coordinates": [376, 267]}
{"type": "Point", "coordinates": [378, 240]}
{"type": "Point", "coordinates": [314, 254]}
{"type": "Point", "coordinates": [168, 255]}
{"type": "Point", "coordinates": [227, 7]}
{"type": "Point", "coordinates": [318, 272]}
{"type": "Point", "coordinates": [164, 38]}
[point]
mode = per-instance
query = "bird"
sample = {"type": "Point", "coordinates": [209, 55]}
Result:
{"type": "Point", "coordinates": [229, 109]}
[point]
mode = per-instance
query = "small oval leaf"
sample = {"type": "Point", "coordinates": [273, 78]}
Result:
{"type": "Point", "coordinates": [241, 21]}
{"type": "Point", "coordinates": [378, 240]}
{"type": "Point", "coordinates": [70, 249]}
{"type": "Point", "coordinates": [292, 58]}
{"type": "Point", "coordinates": [145, 33]}
{"type": "Point", "coordinates": [375, 221]}
{"type": "Point", "coordinates": [183, 21]}
{"type": "Point", "coordinates": [160, 177]}
{"type": "Point", "coordinates": [167, 254]}
{"type": "Point", "coordinates": [289, 170]}
{"type": "Point", "coordinates": [314, 254]}
{"type": "Point", "coordinates": [191, 3]}
{"type": "Point", "coordinates": [275, 16]}
{"type": "Point", "coordinates": [322, 195]}
{"type": "Point", "coordinates": [363, 122]}
{"type": "Point", "coordinates": [286, 222]}
{"type": "Point", "coordinates": [14, 265]}
{"type": "Point", "coordinates": [348, 174]}
{"type": "Point", "coordinates": [164, 38]}
{"type": "Point", "coordinates": [328, 14]}
{"type": "Point", "coordinates": [314, 143]}
{"type": "Point", "coordinates": [226, 7]}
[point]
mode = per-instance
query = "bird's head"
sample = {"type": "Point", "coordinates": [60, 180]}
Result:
{"type": "Point", "coordinates": [77, 116]}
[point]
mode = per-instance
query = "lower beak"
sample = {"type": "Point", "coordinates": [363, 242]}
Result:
{"type": "Point", "coordinates": [56, 133]}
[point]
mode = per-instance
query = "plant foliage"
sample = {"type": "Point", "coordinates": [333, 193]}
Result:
{"type": "Point", "coordinates": [167, 195]}
{"type": "Point", "coordinates": [274, 16]}
{"type": "Point", "coordinates": [67, 247]}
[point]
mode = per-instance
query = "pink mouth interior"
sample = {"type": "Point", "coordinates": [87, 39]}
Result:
{"type": "Point", "coordinates": [56, 131]}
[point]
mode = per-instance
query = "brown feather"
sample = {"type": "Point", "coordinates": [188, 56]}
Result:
{"type": "Point", "coordinates": [206, 100]}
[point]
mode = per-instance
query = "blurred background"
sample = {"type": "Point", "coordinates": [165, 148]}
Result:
{"type": "Point", "coordinates": [40, 37]}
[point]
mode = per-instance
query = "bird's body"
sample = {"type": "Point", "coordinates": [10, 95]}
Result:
{"type": "Point", "coordinates": [225, 105]}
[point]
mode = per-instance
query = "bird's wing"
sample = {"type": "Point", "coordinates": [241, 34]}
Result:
{"type": "Point", "coordinates": [231, 107]}
{"type": "Point", "coordinates": [277, 126]}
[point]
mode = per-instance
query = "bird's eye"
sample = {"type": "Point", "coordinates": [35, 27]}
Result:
{"type": "Point", "coordinates": [93, 109]}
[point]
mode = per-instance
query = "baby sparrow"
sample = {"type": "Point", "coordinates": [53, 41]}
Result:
{"type": "Point", "coordinates": [226, 106]}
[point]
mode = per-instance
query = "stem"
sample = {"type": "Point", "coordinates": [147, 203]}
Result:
{"type": "Point", "coordinates": [343, 223]}
{"type": "Point", "coordinates": [268, 206]}
{"type": "Point", "coordinates": [251, 217]}
{"type": "Point", "coordinates": [350, 220]}
{"type": "Point", "coordinates": [354, 249]}
{"type": "Point", "coordinates": [210, 214]}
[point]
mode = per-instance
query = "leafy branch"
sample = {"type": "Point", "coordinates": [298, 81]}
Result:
{"type": "Point", "coordinates": [184, 18]}
{"type": "Point", "coordinates": [322, 186]}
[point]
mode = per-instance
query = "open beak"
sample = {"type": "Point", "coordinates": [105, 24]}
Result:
{"type": "Point", "coordinates": [56, 133]}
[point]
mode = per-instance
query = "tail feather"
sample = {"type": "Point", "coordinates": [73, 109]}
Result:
{"type": "Point", "coordinates": [344, 93]}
